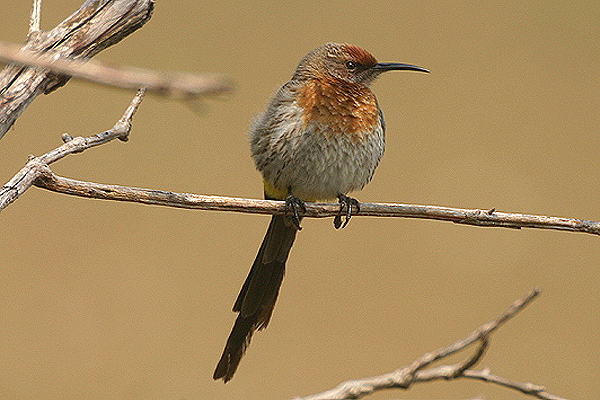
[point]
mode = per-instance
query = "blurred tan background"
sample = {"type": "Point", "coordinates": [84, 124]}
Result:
{"type": "Point", "coordinates": [106, 300]}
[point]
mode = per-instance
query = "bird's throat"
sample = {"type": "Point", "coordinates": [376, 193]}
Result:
{"type": "Point", "coordinates": [339, 107]}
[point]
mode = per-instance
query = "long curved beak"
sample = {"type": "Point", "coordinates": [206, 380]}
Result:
{"type": "Point", "coordinates": [397, 67]}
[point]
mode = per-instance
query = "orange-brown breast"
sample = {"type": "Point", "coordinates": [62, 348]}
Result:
{"type": "Point", "coordinates": [339, 107]}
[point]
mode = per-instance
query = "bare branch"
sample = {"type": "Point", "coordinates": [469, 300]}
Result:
{"type": "Point", "coordinates": [478, 334]}
{"type": "Point", "coordinates": [462, 367]}
{"type": "Point", "coordinates": [527, 388]}
{"type": "Point", "coordinates": [475, 217]}
{"type": "Point", "coordinates": [175, 85]}
{"type": "Point", "coordinates": [407, 376]}
{"type": "Point", "coordinates": [38, 165]}
{"type": "Point", "coordinates": [446, 372]}
{"type": "Point", "coordinates": [44, 178]}
{"type": "Point", "coordinates": [97, 25]}
{"type": "Point", "coordinates": [36, 17]}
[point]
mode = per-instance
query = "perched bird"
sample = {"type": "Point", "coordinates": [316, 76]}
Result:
{"type": "Point", "coordinates": [321, 137]}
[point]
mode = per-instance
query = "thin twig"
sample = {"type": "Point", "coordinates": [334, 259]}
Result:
{"type": "Point", "coordinates": [407, 376]}
{"type": "Point", "coordinates": [477, 217]}
{"type": "Point", "coordinates": [478, 334]}
{"type": "Point", "coordinates": [36, 166]}
{"type": "Point", "coordinates": [174, 85]}
{"type": "Point", "coordinates": [462, 367]}
{"type": "Point", "coordinates": [527, 388]}
{"type": "Point", "coordinates": [35, 18]}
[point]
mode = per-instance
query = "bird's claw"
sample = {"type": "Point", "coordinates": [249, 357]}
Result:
{"type": "Point", "coordinates": [292, 203]}
{"type": "Point", "coordinates": [352, 207]}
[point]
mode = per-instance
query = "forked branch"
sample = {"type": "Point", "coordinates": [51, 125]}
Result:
{"type": "Point", "coordinates": [36, 166]}
{"type": "Point", "coordinates": [404, 378]}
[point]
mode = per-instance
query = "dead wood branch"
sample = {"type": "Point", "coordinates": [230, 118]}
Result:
{"type": "Point", "coordinates": [477, 217]}
{"type": "Point", "coordinates": [97, 25]}
{"type": "Point", "coordinates": [38, 165]}
{"type": "Point", "coordinates": [174, 85]}
{"type": "Point", "coordinates": [404, 378]}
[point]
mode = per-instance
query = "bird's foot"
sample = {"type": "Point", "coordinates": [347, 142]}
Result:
{"type": "Point", "coordinates": [350, 205]}
{"type": "Point", "coordinates": [292, 203]}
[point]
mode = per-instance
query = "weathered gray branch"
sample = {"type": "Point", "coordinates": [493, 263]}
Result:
{"type": "Point", "coordinates": [97, 25]}
{"type": "Point", "coordinates": [404, 378]}
{"type": "Point", "coordinates": [524, 387]}
{"type": "Point", "coordinates": [35, 20]}
{"type": "Point", "coordinates": [37, 166]}
{"type": "Point", "coordinates": [477, 217]}
{"type": "Point", "coordinates": [174, 85]}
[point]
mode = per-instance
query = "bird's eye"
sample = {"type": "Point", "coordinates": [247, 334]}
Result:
{"type": "Point", "coordinates": [350, 65]}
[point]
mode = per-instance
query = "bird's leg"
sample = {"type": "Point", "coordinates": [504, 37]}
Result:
{"type": "Point", "coordinates": [349, 204]}
{"type": "Point", "coordinates": [292, 203]}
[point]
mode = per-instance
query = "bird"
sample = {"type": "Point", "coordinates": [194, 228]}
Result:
{"type": "Point", "coordinates": [321, 137]}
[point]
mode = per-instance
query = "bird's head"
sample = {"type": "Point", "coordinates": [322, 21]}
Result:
{"type": "Point", "coordinates": [345, 62]}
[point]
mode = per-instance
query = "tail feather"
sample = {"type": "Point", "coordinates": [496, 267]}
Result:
{"type": "Point", "coordinates": [258, 295]}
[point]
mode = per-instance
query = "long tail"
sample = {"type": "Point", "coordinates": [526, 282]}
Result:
{"type": "Point", "coordinates": [257, 297]}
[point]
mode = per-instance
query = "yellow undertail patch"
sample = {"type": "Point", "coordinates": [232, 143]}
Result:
{"type": "Point", "coordinates": [272, 192]}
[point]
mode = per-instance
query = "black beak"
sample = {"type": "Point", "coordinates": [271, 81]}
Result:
{"type": "Point", "coordinates": [397, 67]}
